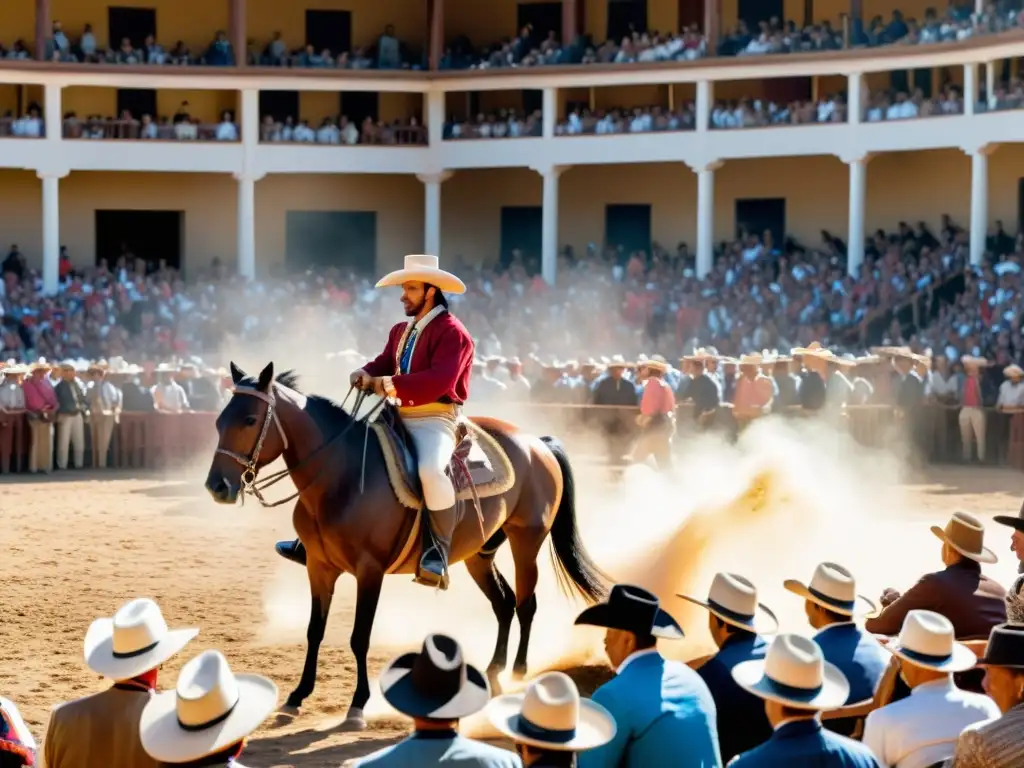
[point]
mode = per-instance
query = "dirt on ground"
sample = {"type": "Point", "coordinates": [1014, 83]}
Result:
{"type": "Point", "coordinates": [79, 544]}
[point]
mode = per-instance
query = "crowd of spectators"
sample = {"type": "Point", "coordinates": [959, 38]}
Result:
{"type": "Point", "coordinates": [760, 294]}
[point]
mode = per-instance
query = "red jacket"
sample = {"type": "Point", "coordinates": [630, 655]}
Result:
{"type": "Point", "coordinates": [441, 364]}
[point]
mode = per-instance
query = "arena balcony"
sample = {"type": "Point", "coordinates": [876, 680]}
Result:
{"type": "Point", "coordinates": [233, 135]}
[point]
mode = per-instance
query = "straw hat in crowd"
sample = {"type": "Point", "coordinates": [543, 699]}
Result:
{"type": "Point", "coordinates": [966, 535]}
{"type": "Point", "coordinates": [136, 640]}
{"type": "Point", "coordinates": [833, 587]}
{"type": "Point", "coordinates": [1013, 371]}
{"type": "Point", "coordinates": [927, 640]}
{"type": "Point", "coordinates": [733, 599]}
{"type": "Point", "coordinates": [794, 673]}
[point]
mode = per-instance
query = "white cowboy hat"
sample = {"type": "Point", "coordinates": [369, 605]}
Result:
{"type": "Point", "coordinates": [814, 349]}
{"type": "Point", "coordinates": [167, 368]}
{"type": "Point", "coordinates": [845, 361]}
{"type": "Point", "coordinates": [656, 363]}
{"type": "Point", "coordinates": [733, 599]}
{"type": "Point", "coordinates": [795, 673]}
{"type": "Point", "coordinates": [927, 639]}
{"type": "Point", "coordinates": [833, 586]}
{"type": "Point", "coordinates": [551, 715]}
{"type": "Point", "coordinates": [752, 359]}
{"type": "Point", "coordinates": [424, 269]}
{"type": "Point", "coordinates": [134, 641]}
{"type": "Point", "coordinates": [210, 709]}
{"type": "Point", "coordinates": [14, 370]}
{"type": "Point", "coordinates": [1012, 371]}
{"type": "Point", "coordinates": [970, 361]}
{"type": "Point", "coordinates": [699, 354]}
{"type": "Point", "coordinates": [966, 535]}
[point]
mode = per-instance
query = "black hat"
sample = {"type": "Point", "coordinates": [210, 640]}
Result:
{"type": "Point", "coordinates": [435, 683]}
{"type": "Point", "coordinates": [632, 609]}
{"type": "Point", "coordinates": [1005, 647]}
{"type": "Point", "coordinates": [1014, 522]}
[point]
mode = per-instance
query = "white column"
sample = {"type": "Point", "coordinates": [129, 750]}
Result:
{"type": "Point", "coordinates": [990, 84]}
{"type": "Point", "coordinates": [979, 7]}
{"type": "Point", "coordinates": [550, 109]}
{"type": "Point", "coordinates": [856, 227]}
{"type": "Point", "coordinates": [53, 117]}
{"type": "Point", "coordinates": [706, 217]}
{"type": "Point", "coordinates": [549, 226]}
{"type": "Point", "coordinates": [435, 118]}
{"type": "Point", "coordinates": [246, 226]}
{"type": "Point", "coordinates": [249, 121]}
{"type": "Point", "coordinates": [704, 94]}
{"type": "Point", "coordinates": [854, 104]}
{"type": "Point", "coordinates": [432, 214]}
{"type": "Point", "coordinates": [51, 231]}
{"type": "Point", "coordinates": [970, 88]}
{"type": "Point", "coordinates": [979, 203]}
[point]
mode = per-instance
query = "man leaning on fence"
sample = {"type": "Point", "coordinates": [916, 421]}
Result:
{"type": "Point", "coordinates": [105, 403]}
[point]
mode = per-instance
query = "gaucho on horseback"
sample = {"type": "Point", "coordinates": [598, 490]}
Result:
{"type": "Point", "coordinates": [425, 366]}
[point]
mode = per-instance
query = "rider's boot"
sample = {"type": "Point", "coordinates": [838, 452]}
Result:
{"type": "Point", "coordinates": [292, 550]}
{"type": "Point", "coordinates": [433, 568]}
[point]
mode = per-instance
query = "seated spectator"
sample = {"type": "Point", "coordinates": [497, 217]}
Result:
{"type": "Point", "coordinates": [168, 396]}
{"type": "Point", "coordinates": [998, 743]}
{"type": "Point", "coordinates": [796, 683]}
{"type": "Point", "coordinates": [436, 688]}
{"type": "Point", "coordinates": [973, 602]}
{"type": "Point", "coordinates": [738, 625]}
{"type": "Point", "coordinates": [922, 729]}
{"type": "Point", "coordinates": [226, 128]}
{"type": "Point", "coordinates": [220, 52]}
{"type": "Point", "coordinates": [206, 719]}
{"type": "Point", "coordinates": [17, 745]}
{"type": "Point", "coordinates": [153, 51]}
{"type": "Point", "coordinates": [550, 723]}
{"type": "Point", "coordinates": [103, 729]}
{"type": "Point", "coordinates": [660, 707]}
{"type": "Point", "coordinates": [831, 603]}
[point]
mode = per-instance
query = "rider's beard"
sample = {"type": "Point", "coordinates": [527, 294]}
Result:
{"type": "Point", "coordinates": [417, 308]}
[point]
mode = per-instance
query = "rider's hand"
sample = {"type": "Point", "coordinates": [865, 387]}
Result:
{"type": "Point", "coordinates": [360, 379]}
{"type": "Point", "coordinates": [377, 385]}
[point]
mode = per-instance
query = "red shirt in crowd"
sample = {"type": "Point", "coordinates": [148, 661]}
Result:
{"type": "Point", "coordinates": [972, 392]}
{"type": "Point", "coordinates": [39, 395]}
{"type": "Point", "coordinates": [658, 399]}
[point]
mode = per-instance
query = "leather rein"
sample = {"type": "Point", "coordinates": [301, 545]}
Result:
{"type": "Point", "coordinates": [249, 483]}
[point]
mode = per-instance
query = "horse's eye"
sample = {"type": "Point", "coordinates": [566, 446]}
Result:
{"type": "Point", "coordinates": [250, 421]}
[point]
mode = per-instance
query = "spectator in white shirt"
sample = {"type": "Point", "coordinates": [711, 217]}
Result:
{"type": "Point", "coordinates": [349, 132]}
{"type": "Point", "coordinates": [168, 395]}
{"type": "Point", "coordinates": [922, 729]}
{"type": "Point", "coordinates": [1011, 391]}
{"type": "Point", "coordinates": [328, 133]}
{"type": "Point", "coordinates": [226, 128]}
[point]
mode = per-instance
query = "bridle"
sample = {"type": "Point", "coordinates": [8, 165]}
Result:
{"type": "Point", "coordinates": [250, 485]}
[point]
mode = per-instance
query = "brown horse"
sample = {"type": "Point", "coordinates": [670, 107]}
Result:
{"type": "Point", "coordinates": [350, 520]}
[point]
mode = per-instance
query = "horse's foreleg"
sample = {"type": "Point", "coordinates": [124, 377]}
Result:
{"type": "Point", "coordinates": [503, 601]}
{"type": "Point", "coordinates": [525, 545]}
{"type": "Point", "coordinates": [321, 585]}
{"type": "Point", "coordinates": [369, 578]}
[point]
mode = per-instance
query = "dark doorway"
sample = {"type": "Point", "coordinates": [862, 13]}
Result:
{"type": "Point", "coordinates": [329, 29]}
{"type": "Point", "coordinates": [138, 101]}
{"type": "Point", "coordinates": [543, 17]}
{"type": "Point", "coordinates": [133, 23]}
{"type": "Point", "coordinates": [754, 216]}
{"type": "Point", "coordinates": [522, 230]}
{"type": "Point", "coordinates": [533, 101]}
{"type": "Point", "coordinates": [753, 12]}
{"type": "Point", "coordinates": [149, 235]}
{"type": "Point", "coordinates": [342, 239]}
{"type": "Point", "coordinates": [628, 227]}
{"type": "Point", "coordinates": [626, 17]}
{"type": "Point", "coordinates": [691, 12]}
{"type": "Point", "coordinates": [279, 104]}
{"type": "Point", "coordinates": [359, 105]}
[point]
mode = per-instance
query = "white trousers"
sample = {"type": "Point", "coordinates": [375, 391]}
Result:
{"type": "Point", "coordinates": [434, 438]}
{"type": "Point", "coordinates": [70, 434]}
{"type": "Point", "coordinates": [972, 421]}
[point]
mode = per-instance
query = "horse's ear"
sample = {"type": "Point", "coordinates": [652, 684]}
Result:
{"type": "Point", "coordinates": [266, 377]}
{"type": "Point", "coordinates": [237, 374]}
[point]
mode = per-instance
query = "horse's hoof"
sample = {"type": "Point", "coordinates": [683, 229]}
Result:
{"type": "Point", "coordinates": [519, 673]}
{"type": "Point", "coordinates": [492, 679]}
{"type": "Point", "coordinates": [354, 721]}
{"type": "Point", "coordinates": [288, 710]}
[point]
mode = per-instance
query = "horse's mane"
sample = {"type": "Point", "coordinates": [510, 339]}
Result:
{"type": "Point", "coordinates": [326, 412]}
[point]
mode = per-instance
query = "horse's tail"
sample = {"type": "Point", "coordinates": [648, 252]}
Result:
{"type": "Point", "coordinates": [575, 570]}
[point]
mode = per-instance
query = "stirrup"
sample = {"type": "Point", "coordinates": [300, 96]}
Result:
{"type": "Point", "coordinates": [429, 579]}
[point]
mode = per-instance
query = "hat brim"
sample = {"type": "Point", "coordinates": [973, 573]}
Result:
{"type": "Point", "coordinates": [446, 281]}
{"type": "Point", "coordinates": [985, 556]}
{"type": "Point", "coordinates": [166, 741]}
{"type": "Point", "coordinates": [763, 622]}
{"type": "Point", "coordinates": [398, 690]}
{"type": "Point", "coordinates": [861, 605]}
{"type": "Point", "coordinates": [595, 727]}
{"type": "Point", "coordinates": [1014, 522]}
{"type": "Point", "coordinates": [960, 660]}
{"type": "Point", "coordinates": [833, 693]}
{"type": "Point", "coordinates": [100, 658]}
{"type": "Point", "coordinates": [601, 615]}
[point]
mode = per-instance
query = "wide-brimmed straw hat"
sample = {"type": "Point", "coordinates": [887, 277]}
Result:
{"type": "Point", "coordinates": [40, 365]}
{"type": "Point", "coordinates": [435, 683]}
{"type": "Point", "coordinates": [551, 715]}
{"type": "Point", "coordinates": [618, 361]}
{"type": "Point", "coordinates": [814, 349]}
{"type": "Point", "coordinates": [733, 599]}
{"type": "Point", "coordinates": [134, 641]}
{"type": "Point", "coordinates": [657, 363]}
{"type": "Point", "coordinates": [833, 587]}
{"type": "Point", "coordinates": [844, 361]}
{"type": "Point", "coordinates": [970, 361]}
{"type": "Point", "coordinates": [632, 609]}
{"type": "Point", "coordinates": [966, 535]}
{"type": "Point", "coordinates": [1005, 647]}
{"type": "Point", "coordinates": [794, 672]}
{"type": "Point", "coordinates": [754, 358]}
{"type": "Point", "coordinates": [927, 639]}
{"type": "Point", "coordinates": [1013, 371]}
{"type": "Point", "coordinates": [14, 370]}
{"type": "Point", "coordinates": [425, 269]}
{"type": "Point", "coordinates": [210, 709]}
{"type": "Point", "coordinates": [700, 355]}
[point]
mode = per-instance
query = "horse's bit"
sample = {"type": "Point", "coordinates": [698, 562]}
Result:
{"type": "Point", "coordinates": [249, 464]}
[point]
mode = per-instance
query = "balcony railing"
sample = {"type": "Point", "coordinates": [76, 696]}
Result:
{"type": "Point", "coordinates": [131, 129]}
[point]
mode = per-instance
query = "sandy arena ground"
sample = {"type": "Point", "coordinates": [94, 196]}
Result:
{"type": "Point", "coordinates": [78, 545]}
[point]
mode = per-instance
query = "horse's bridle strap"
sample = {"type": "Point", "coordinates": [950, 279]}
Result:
{"type": "Point", "coordinates": [271, 416]}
